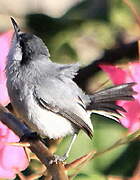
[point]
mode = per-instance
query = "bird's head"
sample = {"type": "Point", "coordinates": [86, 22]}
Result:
{"type": "Point", "coordinates": [26, 47]}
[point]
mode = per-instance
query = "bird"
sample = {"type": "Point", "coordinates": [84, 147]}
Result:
{"type": "Point", "coordinates": [45, 96]}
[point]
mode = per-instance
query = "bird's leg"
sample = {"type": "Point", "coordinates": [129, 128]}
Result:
{"type": "Point", "coordinates": [65, 156]}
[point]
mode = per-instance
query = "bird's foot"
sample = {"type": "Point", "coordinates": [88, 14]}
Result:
{"type": "Point", "coordinates": [33, 136]}
{"type": "Point", "coordinates": [58, 158]}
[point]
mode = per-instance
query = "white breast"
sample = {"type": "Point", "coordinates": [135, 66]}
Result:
{"type": "Point", "coordinates": [47, 123]}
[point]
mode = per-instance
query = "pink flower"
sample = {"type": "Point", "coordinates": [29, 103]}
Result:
{"type": "Point", "coordinates": [119, 76]}
{"type": "Point", "coordinates": [12, 159]}
{"type": "Point", "coordinates": [4, 48]}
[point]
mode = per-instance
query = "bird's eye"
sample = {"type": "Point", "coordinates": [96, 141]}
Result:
{"type": "Point", "coordinates": [19, 38]}
{"type": "Point", "coordinates": [21, 42]}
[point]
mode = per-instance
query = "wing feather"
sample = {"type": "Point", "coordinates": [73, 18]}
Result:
{"type": "Point", "coordinates": [66, 113]}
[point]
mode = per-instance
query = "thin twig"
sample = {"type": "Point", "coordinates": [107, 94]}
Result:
{"type": "Point", "coordinates": [122, 141]}
{"type": "Point", "coordinates": [133, 10]}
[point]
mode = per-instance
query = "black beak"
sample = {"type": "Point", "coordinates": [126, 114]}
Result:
{"type": "Point", "coordinates": [16, 28]}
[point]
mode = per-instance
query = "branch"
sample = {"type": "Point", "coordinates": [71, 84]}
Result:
{"type": "Point", "coordinates": [56, 170]}
{"type": "Point", "coordinates": [134, 11]}
{"type": "Point", "coordinates": [79, 163]}
{"type": "Point", "coordinates": [111, 56]}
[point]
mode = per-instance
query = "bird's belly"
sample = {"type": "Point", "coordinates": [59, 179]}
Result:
{"type": "Point", "coordinates": [43, 121]}
{"type": "Point", "coordinates": [47, 123]}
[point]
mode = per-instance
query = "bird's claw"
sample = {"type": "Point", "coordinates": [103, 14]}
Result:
{"type": "Point", "coordinates": [58, 159]}
{"type": "Point", "coordinates": [29, 136]}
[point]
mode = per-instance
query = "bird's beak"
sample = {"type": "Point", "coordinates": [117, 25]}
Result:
{"type": "Point", "coordinates": [16, 28]}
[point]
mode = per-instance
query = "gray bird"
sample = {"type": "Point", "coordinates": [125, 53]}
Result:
{"type": "Point", "coordinates": [45, 96]}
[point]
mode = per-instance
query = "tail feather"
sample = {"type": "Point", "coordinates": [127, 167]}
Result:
{"type": "Point", "coordinates": [104, 101]}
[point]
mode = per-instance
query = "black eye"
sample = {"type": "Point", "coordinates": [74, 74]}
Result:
{"type": "Point", "coordinates": [22, 44]}
{"type": "Point", "coordinates": [20, 38]}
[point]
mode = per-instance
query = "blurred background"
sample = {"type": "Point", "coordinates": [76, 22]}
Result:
{"type": "Point", "coordinates": [82, 31]}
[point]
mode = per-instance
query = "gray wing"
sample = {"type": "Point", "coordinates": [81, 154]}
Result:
{"type": "Point", "coordinates": [61, 96]}
{"type": "Point", "coordinates": [68, 70]}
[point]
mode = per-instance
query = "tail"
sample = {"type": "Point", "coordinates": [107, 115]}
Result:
{"type": "Point", "coordinates": [104, 102]}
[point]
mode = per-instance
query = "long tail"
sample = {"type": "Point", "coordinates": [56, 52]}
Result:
{"type": "Point", "coordinates": [104, 102]}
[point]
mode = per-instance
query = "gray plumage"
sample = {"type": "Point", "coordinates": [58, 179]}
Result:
{"type": "Point", "coordinates": [45, 96]}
